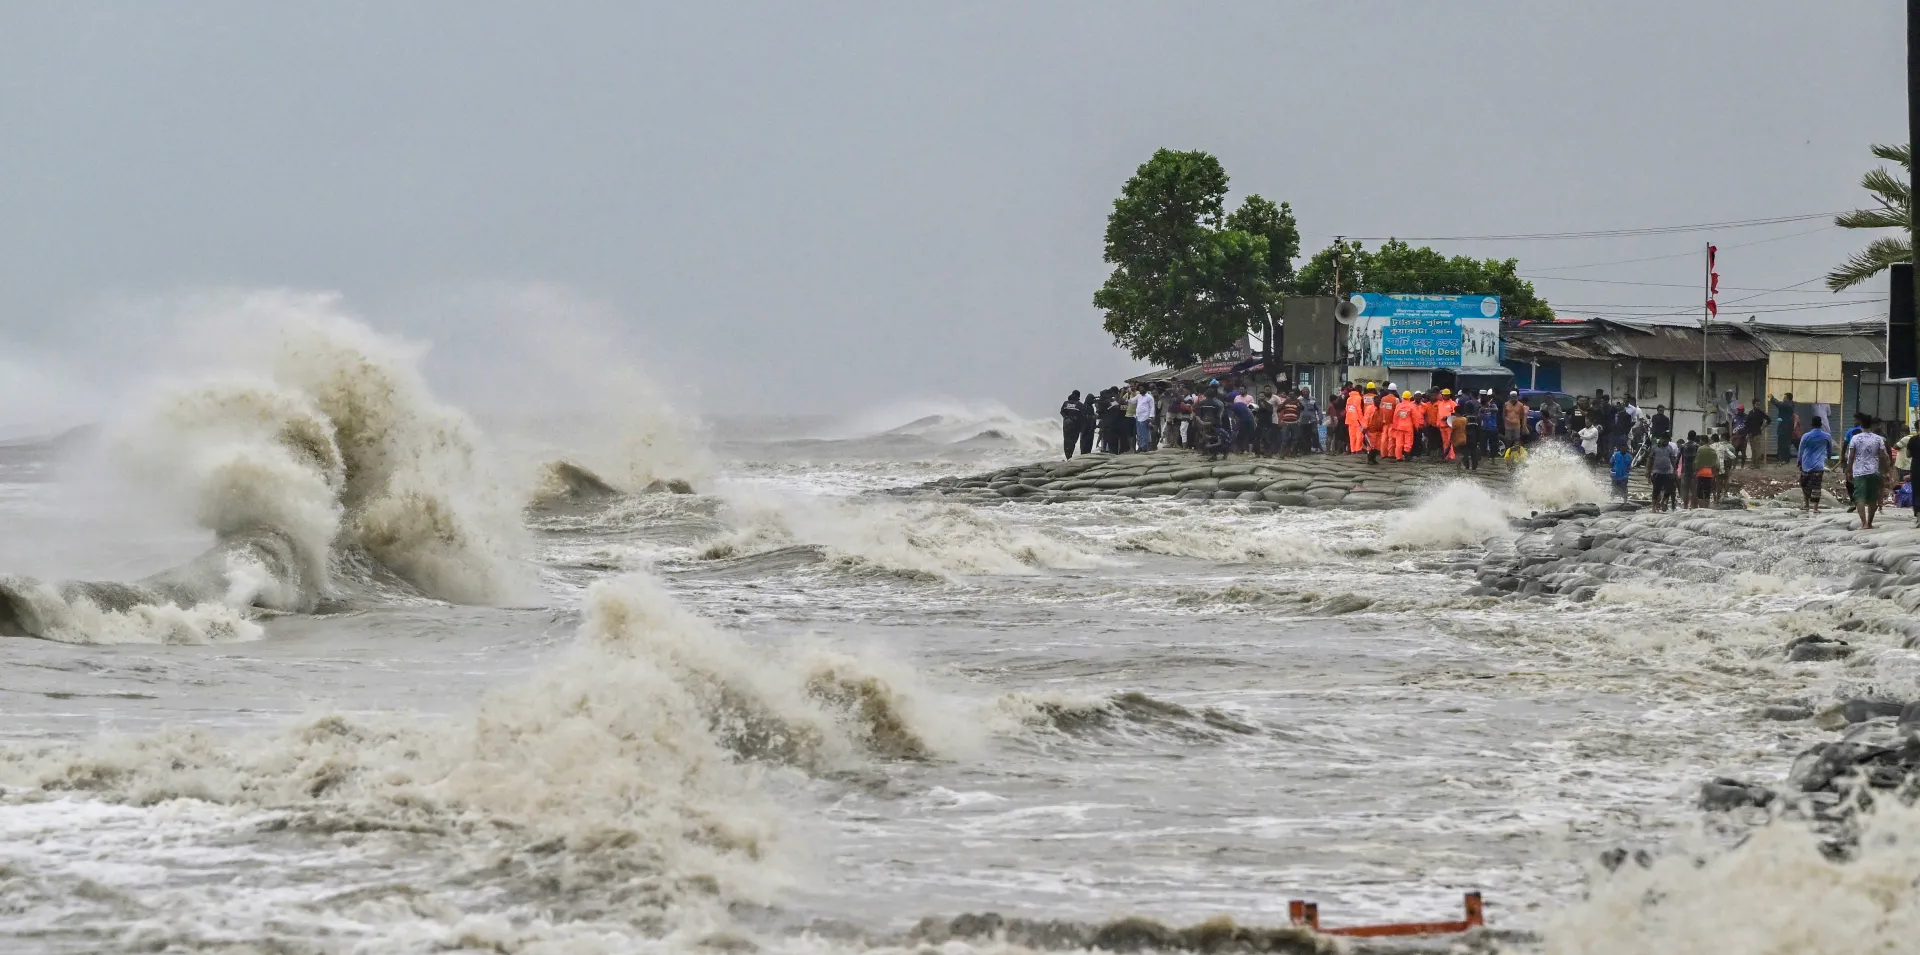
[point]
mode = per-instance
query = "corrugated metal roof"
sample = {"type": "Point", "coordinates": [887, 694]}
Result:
{"type": "Point", "coordinates": [1679, 343]}
{"type": "Point", "coordinates": [1868, 348]}
{"type": "Point", "coordinates": [1602, 340]}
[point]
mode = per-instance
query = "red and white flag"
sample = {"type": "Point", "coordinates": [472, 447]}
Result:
{"type": "Point", "coordinates": [1713, 283]}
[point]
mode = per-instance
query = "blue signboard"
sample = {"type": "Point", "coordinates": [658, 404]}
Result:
{"type": "Point", "coordinates": [1913, 393]}
{"type": "Point", "coordinates": [1427, 331]}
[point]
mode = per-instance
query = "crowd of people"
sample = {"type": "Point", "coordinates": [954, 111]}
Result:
{"type": "Point", "coordinates": [1381, 421]}
{"type": "Point", "coordinates": [1876, 461]}
{"type": "Point", "coordinates": [1279, 420]}
{"type": "Point", "coordinates": [1217, 419]}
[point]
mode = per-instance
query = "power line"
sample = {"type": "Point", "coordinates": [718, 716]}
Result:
{"type": "Point", "coordinates": [1603, 233]}
{"type": "Point", "coordinates": [1693, 312]}
{"type": "Point", "coordinates": [1730, 288]}
{"type": "Point", "coordinates": [1680, 255]}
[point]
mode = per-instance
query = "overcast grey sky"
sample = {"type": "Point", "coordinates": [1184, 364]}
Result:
{"type": "Point", "coordinates": [830, 203]}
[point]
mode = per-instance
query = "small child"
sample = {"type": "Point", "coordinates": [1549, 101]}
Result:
{"type": "Point", "coordinates": [1622, 466]}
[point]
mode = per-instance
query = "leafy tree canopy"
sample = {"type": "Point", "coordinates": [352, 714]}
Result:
{"type": "Point", "coordinates": [1186, 281]}
{"type": "Point", "coordinates": [1893, 209]}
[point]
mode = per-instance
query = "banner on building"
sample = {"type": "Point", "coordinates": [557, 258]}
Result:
{"type": "Point", "coordinates": [1425, 331]}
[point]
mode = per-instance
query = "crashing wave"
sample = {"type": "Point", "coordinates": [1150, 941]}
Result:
{"type": "Point", "coordinates": [631, 766]}
{"type": "Point", "coordinates": [324, 447]}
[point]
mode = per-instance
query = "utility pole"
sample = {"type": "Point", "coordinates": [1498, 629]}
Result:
{"type": "Point", "coordinates": [1340, 241]}
{"type": "Point", "coordinates": [1913, 125]}
{"type": "Point", "coordinates": [1706, 318]}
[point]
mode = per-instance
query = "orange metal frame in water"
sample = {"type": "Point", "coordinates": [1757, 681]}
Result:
{"type": "Point", "coordinates": [1308, 914]}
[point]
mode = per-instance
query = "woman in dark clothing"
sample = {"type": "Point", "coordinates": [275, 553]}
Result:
{"type": "Point", "coordinates": [1086, 424]}
{"type": "Point", "coordinates": [1072, 415]}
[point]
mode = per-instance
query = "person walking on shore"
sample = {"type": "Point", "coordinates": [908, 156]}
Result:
{"type": "Point", "coordinates": [1815, 447]}
{"type": "Point", "coordinates": [1663, 464]}
{"type": "Point", "coordinates": [1143, 419]}
{"type": "Point", "coordinates": [1513, 423]}
{"type": "Point", "coordinates": [1706, 466]}
{"type": "Point", "coordinates": [1723, 473]}
{"type": "Point", "coordinates": [1073, 414]}
{"type": "Point", "coordinates": [1374, 424]}
{"type": "Point", "coordinates": [1337, 417]}
{"type": "Point", "coordinates": [1688, 451]}
{"type": "Point", "coordinates": [1622, 468]}
{"type": "Point", "coordinates": [1400, 437]}
{"type": "Point", "coordinates": [1469, 436]}
{"type": "Point", "coordinates": [1359, 404]}
{"type": "Point", "coordinates": [1087, 418]}
{"type": "Point", "coordinates": [1868, 461]}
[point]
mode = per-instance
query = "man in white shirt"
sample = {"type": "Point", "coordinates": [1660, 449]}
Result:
{"type": "Point", "coordinates": [1868, 462]}
{"type": "Point", "coordinates": [1143, 419]}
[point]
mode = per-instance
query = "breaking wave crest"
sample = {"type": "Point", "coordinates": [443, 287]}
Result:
{"type": "Point", "coordinates": [315, 442]}
{"type": "Point", "coordinates": [622, 773]}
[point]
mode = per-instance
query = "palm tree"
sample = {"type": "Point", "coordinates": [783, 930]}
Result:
{"type": "Point", "coordinates": [1895, 196]}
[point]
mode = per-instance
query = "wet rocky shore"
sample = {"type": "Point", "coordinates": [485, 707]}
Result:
{"type": "Point", "coordinates": [1318, 481]}
{"type": "Point", "coordinates": [1862, 645]}
{"type": "Point", "coordinates": [1870, 626]}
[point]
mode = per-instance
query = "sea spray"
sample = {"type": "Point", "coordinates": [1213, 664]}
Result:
{"type": "Point", "coordinates": [1456, 514]}
{"type": "Point", "coordinates": [311, 434]}
{"type": "Point", "coordinates": [1780, 892]}
{"type": "Point", "coordinates": [1553, 478]}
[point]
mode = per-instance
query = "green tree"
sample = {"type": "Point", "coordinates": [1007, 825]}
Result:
{"type": "Point", "coordinates": [1182, 287]}
{"type": "Point", "coordinates": [1894, 194]}
{"type": "Point", "coordinates": [1399, 268]}
{"type": "Point", "coordinates": [1259, 217]}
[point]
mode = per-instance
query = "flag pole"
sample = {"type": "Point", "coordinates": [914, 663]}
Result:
{"type": "Point", "coordinates": [1705, 316]}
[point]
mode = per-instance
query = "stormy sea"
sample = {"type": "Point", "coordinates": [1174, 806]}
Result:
{"type": "Point", "coordinates": [301, 656]}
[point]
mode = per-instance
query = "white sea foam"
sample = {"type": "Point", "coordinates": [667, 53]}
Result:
{"type": "Point", "coordinates": [1227, 538]}
{"type": "Point", "coordinates": [913, 537]}
{"type": "Point", "coordinates": [623, 776]}
{"type": "Point", "coordinates": [1777, 894]}
{"type": "Point", "coordinates": [1554, 477]}
{"type": "Point", "coordinates": [1456, 514]}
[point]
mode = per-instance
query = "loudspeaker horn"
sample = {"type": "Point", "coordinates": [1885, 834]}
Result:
{"type": "Point", "coordinates": [1345, 312]}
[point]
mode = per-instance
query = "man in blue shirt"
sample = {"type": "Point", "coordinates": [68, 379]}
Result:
{"type": "Point", "coordinates": [1622, 467]}
{"type": "Point", "coordinates": [1815, 447]}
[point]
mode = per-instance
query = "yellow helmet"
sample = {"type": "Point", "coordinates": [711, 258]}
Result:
{"type": "Point", "coordinates": [1406, 394]}
{"type": "Point", "coordinates": [1447, 392]}
{"type": "Point", "coordinates": [1373, 384]}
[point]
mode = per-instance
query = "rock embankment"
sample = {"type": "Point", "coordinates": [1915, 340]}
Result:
{"type": "Point", "coordinates": [1870, 629]}
{"type": "Point", "coordinates": [1318, 481]}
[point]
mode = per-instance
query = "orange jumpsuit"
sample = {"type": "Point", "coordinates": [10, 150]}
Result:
{"type": "Point", "coordinates": [1385, 439]}
{"type": "Point", "coordinates": [1443, 414]}
{"type": "Point", "coordinates": [1375, 420]}
{"type": "Point", "coordinates": [1356, 421]}
{"type": "Point", "coordinates": [1403, 418]}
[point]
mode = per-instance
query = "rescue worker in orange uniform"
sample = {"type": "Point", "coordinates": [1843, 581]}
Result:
{"type": "Point", "coordinates": [1403, 414]}
{"type": "Point", "coordinates": [1389, 400]}
{"type": "Point", "coordinates": [1357, 405]}
{"type": "Point", "coordinates": [1443, 412]}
